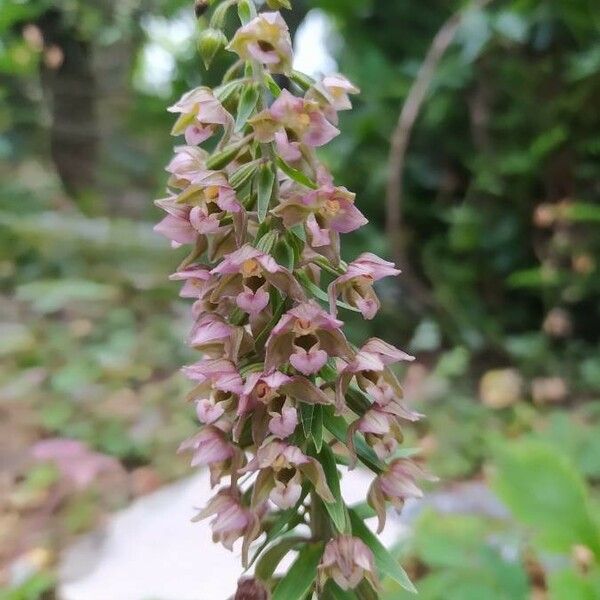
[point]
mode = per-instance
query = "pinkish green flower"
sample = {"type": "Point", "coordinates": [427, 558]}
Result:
{"type": "Point", "coordinates": [232, 520]}
{"type": "Point", "coordinates": [291, 122]}
{"type": "Point", "coordinates": [333, 95]}
{"type": "Point", "coordinates": [306, 337]}
{"type": "Point", "coordinates": [348, 560]}
{"type": "Point", "coordinates": [270, 399]}
{"type": "Point", "coordinates": [197, 281]}
{"type": "Point", "coordinates": [201, 113]}
{"type": "Point", "coordinates": [281, 468]}
{"type": "Point", "coordinates": [187, 164]}
{"type": "Point", "coordinates": [396, 485]}
{"type": "Point", "coordinates": [325, 213]}
{"type": "Point", "coordinates": [370, 367]}
{"type": "Point", "coordinates": [247, 275]}
{"type": "Point", "coordinates": [265, 39]}
{"type": "Point", "coordinates": [356, 285]}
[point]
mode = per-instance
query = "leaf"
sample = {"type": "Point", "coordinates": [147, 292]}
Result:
{"type": "Point", "coordinates": [317, 292]}
{"type": "Point", "coordinates": [317, 429]}
{"type": "Point", "coordinates": [246, 105]}
{"type": "Point", "coordinates": [544, 490]}
{"type": "Point", "coordinates": [246, 11]}
{"type": "Point", "coordinates": [333, 591]}
{"type": "Point", "coordinates": [224, 157]}
{"type": "Point", "coordinates": [306, 417]}
{"type": "Point", "coordinates": [242, 175]}
{"type": "Point", "coordinates": [337, 509]}
{"type": "Point", "coordinates": [272, 85]}
{"type": "Point", "coordinates": [385, 562]}
{"type": "Point", "coordinates": [264, 183]}
{"type": "Point", "coordinates": [225, 91]}
{"type": "Point", "coordinates": [296, 175]}
{"type": "Point", "coordinates": [268, 562]}
{"type": "Point", "coordinates": [339, 428]}
{"type": "Point", "coordinates": [299, 580]}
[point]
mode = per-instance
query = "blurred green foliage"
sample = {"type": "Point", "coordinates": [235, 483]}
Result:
{"type": "Point", "coordinates": [500, 222]}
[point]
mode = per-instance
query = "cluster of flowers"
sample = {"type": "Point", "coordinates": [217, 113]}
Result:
{"type": "Point", "coordinates": [263, 220]}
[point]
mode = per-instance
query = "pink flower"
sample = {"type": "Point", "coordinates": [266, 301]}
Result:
{"type": "Point", "coordinates": [356, 285]}
{"type": "Point", "coordinates": [381, 430]}
{"type": "Point", "coordinates": [306, 337]}
{"type": "Point", "coordinates": [348, 560]}
{"type": "Point", "coordinates": [187, 164]}
{"type": "Point", "coordinates": [339, 87]}
{"type": "Point", "coordinates": [291, 122]}
{"type": "Point", "coordinates": [265, 39]}
{"type": "Point", "coordinates": [200, 113]}
{"type": "Point", "coordinates": [216, 338]}
{"type": "Point", "coordinates": [281, 467]}
{"type": "Point", "coordinates": [197, 281]}
{"type": "Point", "coordinates": [275, 395]}
{"type": "Point", "coordinates": [220, 373]}
{"type": "Point", "coordinates": [248, 274]}
{"type": "Point", "coordinates": [196, 214]}
{"type": "Point", "coordinates": [210, 445]}
{"type": "Point", "coordinates": [176, 225]}
{"type": "Point", "coordinates": [332, 94]}
{"type": "Point", "coordinates": [232, 520]}
{"type": "Point", "coordinates": [396, 485]}
{"type": "Point", "coordinates": [324, 212]}
{"type": "Point", "coordinates": [370, 367]}
{"type": "Point", "coordinates": [283, 422]}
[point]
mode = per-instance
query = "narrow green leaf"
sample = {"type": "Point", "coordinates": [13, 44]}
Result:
{"type": "Point", "coordinates": [317, 428]}
{"type": "Point", "coordinates": [296, 175]}
{"type": "Point", "coordinates": [268, 562]}
{"type": "Point", "coordinates": [317, 292]}
{"type": "Point", "coordinates": [306, 417]}
{"type": "Point", "coordinates": [242, 175]}
{"type": "Point", "coordinates": [264, 183]}
{"type": "Point", "coordinates": [285, 255]}
{"type": "Point", "coordinates": [302, 80]}
{"type": "Point", "coordinates": [224, 157]}
{"type": "Point", "coordinates": [246, 105]}
{"type": "Point", "coordinates": [225, 91]}
{"type": "Point", "coordinates": [299, 580]}
{"type": "Point", "coordinates": [338, 427]}
{"type": "Point", "coordinates": [272, 85]}
{"type": "Point", "coordinates": [386, 563]}
{"type": "Point", "coordinates": [266, 242]}
{"type": "Point", "coordinates": [246, 11]}
{"type": "Point", "coordinates": [298, 231]}
{"type": "Point", "coordinates": [337, 509]}
{"type": "Point", "coordinates": [333, 591]}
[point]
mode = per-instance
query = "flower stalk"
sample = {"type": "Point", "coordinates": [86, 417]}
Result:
{"type": "Point", "coordinates": [283, 399]}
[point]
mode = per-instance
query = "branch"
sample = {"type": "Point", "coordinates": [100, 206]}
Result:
{"type": "Point", "coordinates": [399, 144]}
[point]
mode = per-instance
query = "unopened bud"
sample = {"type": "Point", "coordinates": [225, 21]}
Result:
{"type": "Point", "coordinates": [251, 589]}
{"type": "Point", "coordinates": [210, 42]}
{"type": "Point", "coordinates": [277, 4]}
{"type": "Point", "coordinates": [200, 7]}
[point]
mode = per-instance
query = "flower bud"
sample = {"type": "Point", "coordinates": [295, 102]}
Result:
{"type": "Point", "coordinates": [250, 588]}
{"type": "Point", "coordinates": [210, 42]}
{"type": "Point", "coordinates": [200, 7]}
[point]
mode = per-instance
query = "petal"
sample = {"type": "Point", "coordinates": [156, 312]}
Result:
{"type": "Point", "coordinates": [308, 363]}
